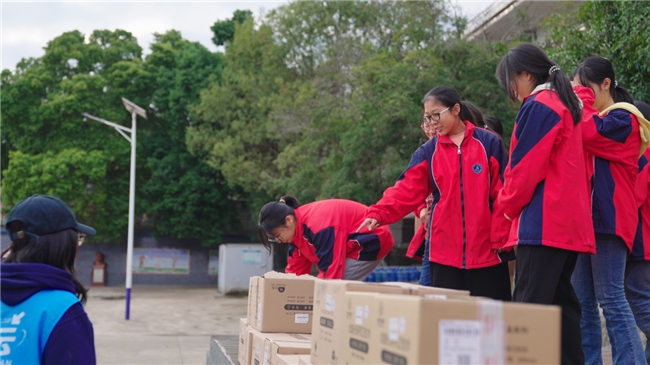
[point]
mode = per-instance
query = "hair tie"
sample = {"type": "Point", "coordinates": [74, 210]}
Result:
{"type": "Point", "coordinates": [615, 84]}
{"type": "Point", "coordinates": [553, 69]}
{"type": "Point", "coordinates": [283, 201]}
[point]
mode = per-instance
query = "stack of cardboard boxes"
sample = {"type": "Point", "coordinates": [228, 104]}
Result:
{"type": "Point", "coordinates": [279, 321]}
{"type": "Point", "coordinates": [352, 322]}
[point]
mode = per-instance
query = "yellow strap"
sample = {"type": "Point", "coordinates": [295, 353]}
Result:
{"type": "Point", "coordinates": [644, 124]}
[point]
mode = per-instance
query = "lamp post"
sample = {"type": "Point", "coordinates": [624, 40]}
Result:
{"type": "Point", "coordinates": [135, 111]}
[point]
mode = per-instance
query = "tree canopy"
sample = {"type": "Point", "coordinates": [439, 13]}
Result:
{"type": "Point", "coordinates": [317, 99]}
{"type": "Point", "coordinates": [609, 29]}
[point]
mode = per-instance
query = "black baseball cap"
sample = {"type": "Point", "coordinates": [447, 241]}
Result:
{"type": "Point", "coordinates": [43, 214]}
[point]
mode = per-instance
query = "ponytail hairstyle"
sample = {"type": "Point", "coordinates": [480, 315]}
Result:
{"type": "Point", "coordinates": [472, 113]}
{"type": "Point", "coordinates": [643, 108]}
{"type": "Point", "coordinates": [494, 124]}
{"type": "Point", "coordinates": [448, 97]}
{"type": "Point", "coordinates": [596, 69]}
{"type": "Point", "coordinates": [55, 249]}
{"type": "Point", "coordinates": [273, 215]}
{"type": "Point", "coordinates": [530, 58]}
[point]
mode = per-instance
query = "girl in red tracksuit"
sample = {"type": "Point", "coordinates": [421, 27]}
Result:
{"type": "Point", "coordinates": [545, 192]}
{"type": "Point", "coordinates": [637, 269]}
{"type": "Point", "coordinates": [613, 145]}
{"type": "Point", "coordinates": [462, 167]}
{"type": "Point", "coordinates": [323, 233]}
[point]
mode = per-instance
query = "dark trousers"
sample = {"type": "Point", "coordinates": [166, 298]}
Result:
{"type": "Point", "coordinates": [543, 276]}
{"type": "Point", "coordinates": [492, 282]}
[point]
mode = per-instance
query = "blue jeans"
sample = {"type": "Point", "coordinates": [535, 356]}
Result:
{"type": "Point", "coordinates": [637, 291]}
{"type": "Point", "coordinates": [425, 276]}
{"type": "Point", "coordinates": [598, 280]}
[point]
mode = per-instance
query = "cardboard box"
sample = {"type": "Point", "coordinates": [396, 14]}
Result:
{"type": "Point", "coordinates": [283, 348]}
{"type": "Point", "coordinates": [361, 332]}
{"type": "Point", "coordinates": [257, 355]}
{"type": "Point", "coordinates": [304, 360]}
{"type": "Point", "coordinates": [264, 345]}
{"type": "Point", "coordinates": [281, 303]}
{"type": "Point", "coordinates": [287, 360]}
{"type": "Point", "coordinates": [417, 330]}
{"type": "Point", "coordinates": [244, 342]}
{"type": "Point", "coordinates": [415, 289]}
{"type": "Point", "coordinates": [329, 338]}
{"type": "Point", "coordinates": [246, 333]}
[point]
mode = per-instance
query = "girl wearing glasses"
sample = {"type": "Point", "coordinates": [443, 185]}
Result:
{"type": "Point", "coordinates": [462, 168]}
{"type": "Point", "coordinates": [42, 313]}
{"type": "Point", "coordinates": [419, 246]}
{"type": "Point", "coordinates": [323, 233]}
{"type": "Point", "coordinates": [545, 193]}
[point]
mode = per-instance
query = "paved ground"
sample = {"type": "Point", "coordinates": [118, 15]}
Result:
{"type": "Point", "coordinates": [168, 325]}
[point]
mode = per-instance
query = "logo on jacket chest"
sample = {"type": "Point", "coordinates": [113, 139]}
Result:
{"type": "Point", "coordinates": [477, 168]}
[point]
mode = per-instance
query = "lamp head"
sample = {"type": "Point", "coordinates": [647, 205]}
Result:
{"type": "Point", "coordinates": [132, 107]}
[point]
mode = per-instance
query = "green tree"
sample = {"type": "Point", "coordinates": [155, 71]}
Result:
{"type": "Point", "coordinates": [224, 30]}
{"type": "Point", "coordinates": [322, 99]}
{"type": "Point", "coordinates": [609, 29]}
{"type": "Point", "coordinates": [48, 149]}
{"type": "Point", "coordinates": [185, 197]}
{"type": "Point", "coordinates": [43, 100]}
{"type": "Point", "coordinates": [76, 176]}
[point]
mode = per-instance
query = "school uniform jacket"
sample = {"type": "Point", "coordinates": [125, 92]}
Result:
{"type": "Point", "coordinates": [641, 246]}
{"type": "Point", "coordinates": [545, 192]}
{"type": "Point", "coordinates": [611, 145]}
{"type": "Point", "coordinates": [326, 236]}
{"type": "Point", "coordinates": [416, 246]}
{"type": "Point", "coordinates": [464, 181]}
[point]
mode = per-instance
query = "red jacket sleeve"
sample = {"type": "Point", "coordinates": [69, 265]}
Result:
{"type": "Point", "coordinates": [419, 209]}
{"type": "Point", "coordinates": [603, 137]}
{"type": "Point", "coordinates": [536, 130]}
{"type": "Point", "coordinates": [408, 193]}
{"type": "Point", "coordinates": [297, 263]}
{"type": "Point", "coordinates": [500, 225]}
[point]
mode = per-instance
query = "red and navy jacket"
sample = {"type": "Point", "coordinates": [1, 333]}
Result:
{"type": "Point", "coordinates": [546, 189]}
{"type": "Point", "coordinates": [464, 181]}
{"type": "Point", "coordinates": [611, 146]}
{"type": "Point", "coordinates": [641, 246]}
{"type": "Point", "coordinates": [326, 236]}
{"type": "Point", "coordinates": [416, 246]}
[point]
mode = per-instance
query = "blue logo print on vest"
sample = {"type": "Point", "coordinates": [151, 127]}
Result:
{"type": "Point", "coordinates": [477, 168]}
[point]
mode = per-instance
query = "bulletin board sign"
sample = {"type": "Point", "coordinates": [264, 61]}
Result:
{"type": "Point", "coordinates": [213, 262]}
{"type": "Point", "coordinates": [161, 261]}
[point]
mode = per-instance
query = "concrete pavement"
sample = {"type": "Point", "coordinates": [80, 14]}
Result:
{"type": "Point", "coordinates": [169, 325]}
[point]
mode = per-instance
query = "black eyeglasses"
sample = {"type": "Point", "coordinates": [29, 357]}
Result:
{"type": "Point", "coordinates": [81, 237]}
{"type": "Point", "coordinates": [427, 119]}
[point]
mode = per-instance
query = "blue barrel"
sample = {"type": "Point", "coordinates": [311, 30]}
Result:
{"type": "Point", "coordinates": [371, 278]}
{"type": "Point", "coordinates": [391, 274]}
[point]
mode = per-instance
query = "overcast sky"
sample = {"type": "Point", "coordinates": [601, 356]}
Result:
{"type": "Point", "coordinates": [27, 26]}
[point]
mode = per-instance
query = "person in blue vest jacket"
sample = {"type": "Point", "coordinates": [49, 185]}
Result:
{"type": "Point", "coordinates": [43, 321]}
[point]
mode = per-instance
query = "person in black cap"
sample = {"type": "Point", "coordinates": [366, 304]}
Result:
{"type": "Point", "coordinates": [43, 321]}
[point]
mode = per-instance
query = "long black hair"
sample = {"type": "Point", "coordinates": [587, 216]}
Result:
{"type": "Point", "coordinates": [56, 249]}
{"type": "Point", "coordinates": [530, 58]}
{"type": "Point", "coordinates": [449, 97]}
{"type": "Point", "coordinates": [596, 69]}
{"type": "Point", "coordinates": [494, 124]}
{"type": "Point", "coordinates": [273, 215]}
